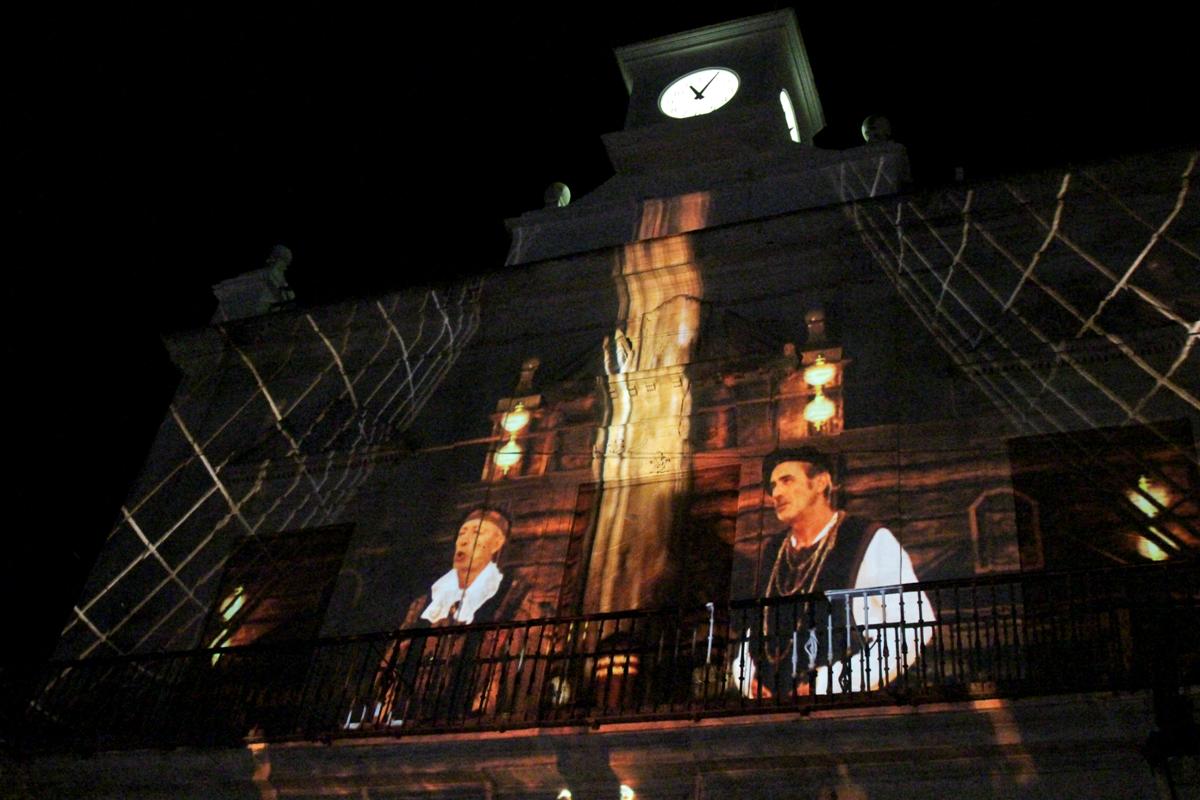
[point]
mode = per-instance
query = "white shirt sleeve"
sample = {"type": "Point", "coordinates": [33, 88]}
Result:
{"type": "Point", "coordinates": [884, 563]}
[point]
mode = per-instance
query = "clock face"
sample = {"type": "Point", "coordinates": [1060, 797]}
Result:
{"type": "Point", "coordinates": [698, 92]}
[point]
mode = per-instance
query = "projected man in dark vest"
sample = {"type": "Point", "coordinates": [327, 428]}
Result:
{"type": "Point", "coordinates": [819, 549]}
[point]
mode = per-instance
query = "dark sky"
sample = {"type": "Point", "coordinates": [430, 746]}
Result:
{"type": "Point", "coordinates": [157, 152]}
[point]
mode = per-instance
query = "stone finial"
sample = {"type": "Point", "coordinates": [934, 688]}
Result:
{"type": "Point", "coordinates": [278, 260]}
{"type": "Point", "coordinates": [557, 195]}
{"type": "Point", "coordinates": [256, 292]}
{"type": "Point", "coordinates": [877, 128]}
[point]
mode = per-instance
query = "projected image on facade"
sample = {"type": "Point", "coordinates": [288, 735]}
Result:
{"type": "Point", "coordinates": [474, 590]}
{"type": "Point", "coordinates": [272, 429]}
{"type": "Point", "coordinates": [757, 469]}
{"type": "Point", "coordinates": [698, 469]}
{"type": "Point", "coordinates": [642, 453]}
{"type": "Point", "coordinates": [594, 461]}
{"type": "Point", "coordinates": [819, 549]}
{"type": "Point", "coordinates": [1109, 496]}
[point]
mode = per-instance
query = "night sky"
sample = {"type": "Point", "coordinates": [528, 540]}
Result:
{"type": "Point", "coordinates": [158, 152]}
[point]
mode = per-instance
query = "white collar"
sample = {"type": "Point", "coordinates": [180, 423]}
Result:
{"type": "Point", "coordinates": [824, 531]}
{"type": "Point", "coordinates": [445, 592]}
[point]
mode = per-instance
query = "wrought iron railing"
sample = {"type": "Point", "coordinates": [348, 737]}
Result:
{"type": "Point", "coordinates": [1118, 629]}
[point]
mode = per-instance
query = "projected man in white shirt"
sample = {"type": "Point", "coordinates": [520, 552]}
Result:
{"type": "Point", "coordinates": [474, 590]}
{"type": "Point", "coordinates": [461, 671]}
{"type": "Point", "coordinates": [822, 549]}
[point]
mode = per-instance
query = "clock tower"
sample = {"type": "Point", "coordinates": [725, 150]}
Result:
{"type": "Point", "coordinates": [728, 113]}
{"type": "Point", "coordinates": [751, 64]}
{"type": "Point", "coordinates": [718, 132]}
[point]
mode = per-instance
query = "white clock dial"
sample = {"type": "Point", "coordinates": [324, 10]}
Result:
{"type": "Point", "coordinates": [698, 92]}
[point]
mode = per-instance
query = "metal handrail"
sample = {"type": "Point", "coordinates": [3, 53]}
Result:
{"type": "Point", "coordinates": [1005, 635]}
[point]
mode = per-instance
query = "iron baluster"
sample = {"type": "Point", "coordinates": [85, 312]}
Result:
{"type": "Point", "coordinates": [920, 639]}
{"type": "Point", "coordinates": [902, 646]}
{"type": "Point", "coordinates": [829, 645]}
{"type": "Point", "coordinates": [976, 643]}
{"type": "Point", "coordinates": [958, 649]}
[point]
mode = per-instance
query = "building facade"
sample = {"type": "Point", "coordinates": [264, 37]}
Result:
{"type": "Point", "coordinates": [528, 532]}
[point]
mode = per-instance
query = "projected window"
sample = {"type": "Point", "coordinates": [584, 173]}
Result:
{"type": "Point", "coordinates": [1125, 495]}
{"type": "Point", "coordinates": [276, 588]}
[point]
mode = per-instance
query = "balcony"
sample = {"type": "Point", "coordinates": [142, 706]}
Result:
{"type": "Point", "coordinates": [1114, 630]}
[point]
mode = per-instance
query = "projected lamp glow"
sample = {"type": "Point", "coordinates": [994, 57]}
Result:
{"type": "Point", "coordinates": [507, 456]}
{"type": "Point", "coordinates": [515, 420]}
{"type": "Point", "coordinates": [217, 642]}
{"type": "Point", "coordinates": [820, 373]}
{"type": "Point", "coordinates": [232, 604]}
{"type": "Point", "coordinates": [820, 409]}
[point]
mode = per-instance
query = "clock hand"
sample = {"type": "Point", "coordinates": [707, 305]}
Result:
{"type": "Point", "coordinates": [699, 95]}
{"type": "Point", "coordinates": [705, 89]}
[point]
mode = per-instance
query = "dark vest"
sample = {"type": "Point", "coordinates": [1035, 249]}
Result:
{"type": "Point", "coordinates": [853, 537]}
{"type": "Point", "coordinates": [773, 641]}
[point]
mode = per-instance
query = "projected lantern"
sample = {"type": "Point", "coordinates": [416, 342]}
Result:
{"type": "Point", "coordinates": [810, 391]}
{"type": "Point", "coordinates": [1151, 497]}
{"type": "Point", "coordinates": [822, 412]}
{"type": "Point", "coordinates": [1149, 490]}
{"type": "Point", "coordinates": [508, 456]}
{"type": "Point", "coordinates": [820, 409]}
{"type": "Point", "coordinates": [512, 421]}
{"type": "Point", "coordinates": [819, 373]}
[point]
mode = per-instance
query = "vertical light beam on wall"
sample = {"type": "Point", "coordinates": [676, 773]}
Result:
{"type": "Point", "coordinates": [642, 454]}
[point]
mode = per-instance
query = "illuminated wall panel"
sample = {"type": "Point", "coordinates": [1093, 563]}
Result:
{"type": "Point", "coordinates": [991, 341]}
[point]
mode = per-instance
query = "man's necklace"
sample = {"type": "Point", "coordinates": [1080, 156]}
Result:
{"type": "Point", "coordinates": [803, 566]}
